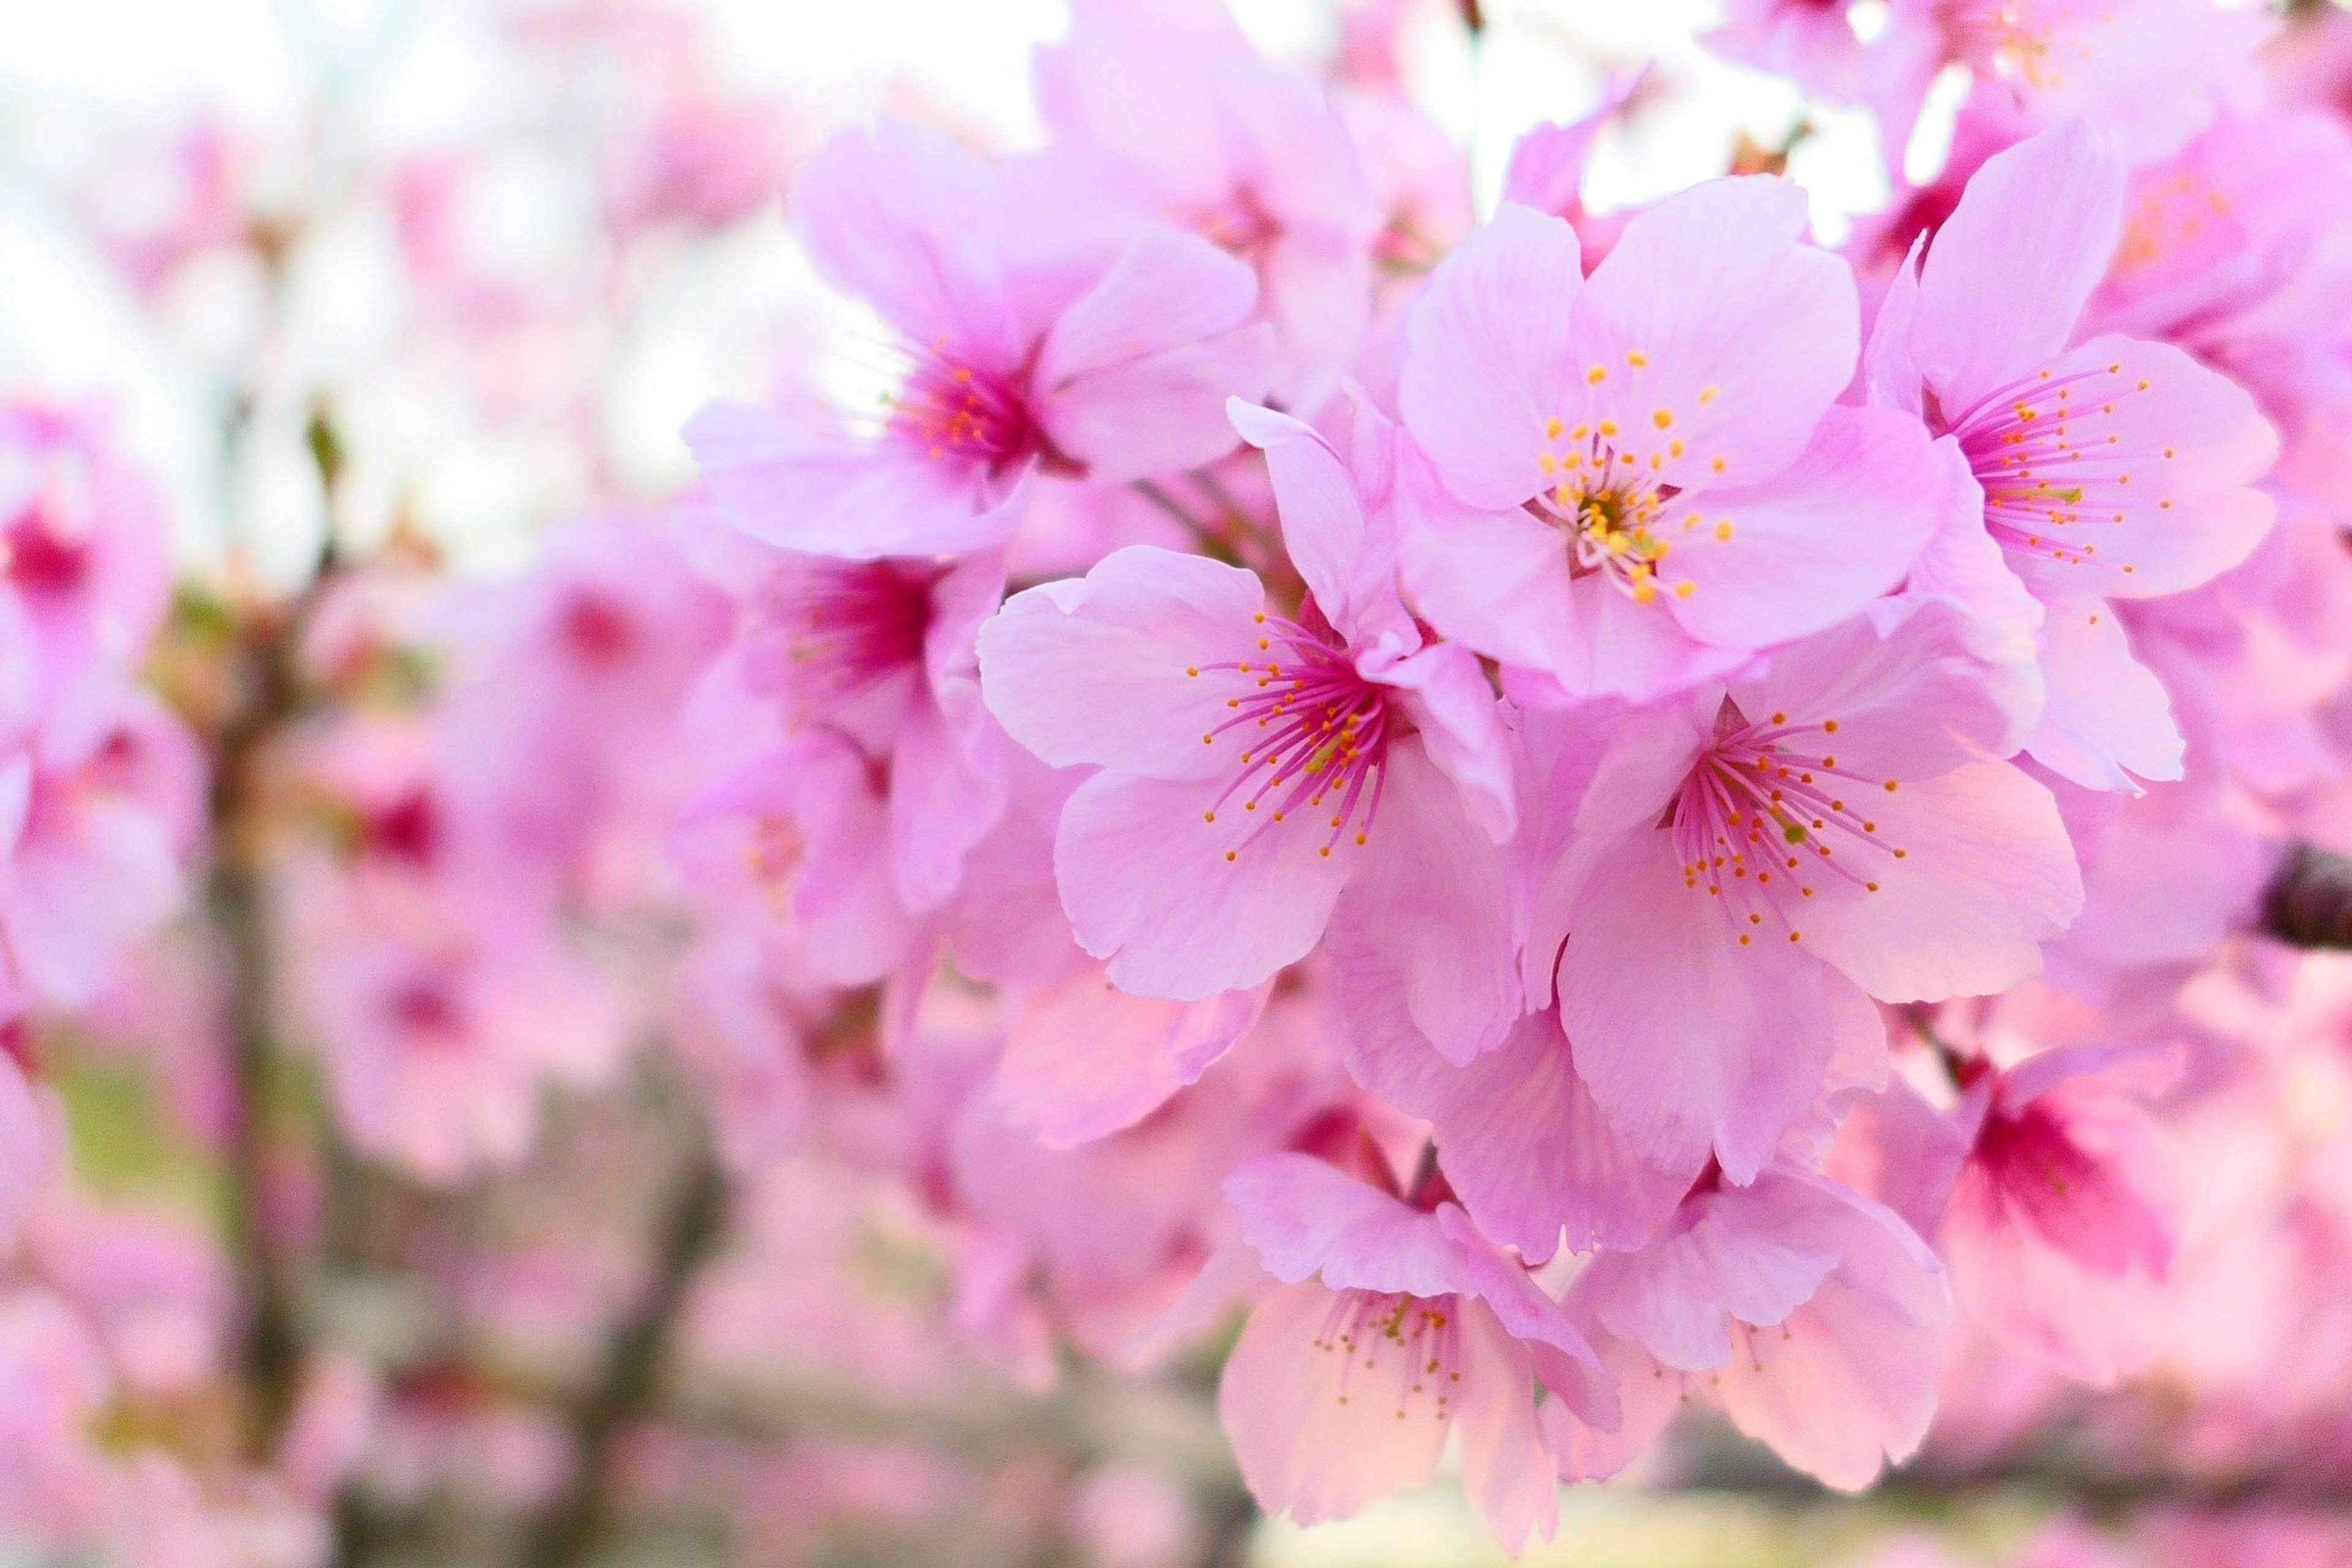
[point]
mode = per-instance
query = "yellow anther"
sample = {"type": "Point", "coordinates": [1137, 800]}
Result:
{"type": "Point", "coordinates": [1664, 418]}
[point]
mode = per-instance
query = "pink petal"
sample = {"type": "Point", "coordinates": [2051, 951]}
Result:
{"type": "Point", "coordinates": [1496, 583]}
{"type": "Point", "coordinates": [1430, 900]}
{"type": "Point", "coordinates": [1307, 1219]}
{"type": "Point", "coordinates": [1814, 545]}
{"type": "Point", "coordinates": [2007, 276]}
{"type": "Point", "coordinates": [1743, 1261]}
{"type": "Point", "coordinates": [1909, 702]}
{"type": "Point", "coordinates": [1347, 560]}
{"type": "Point", "coordinates": [833, 495]}
{"type": "Point", "coordinates": [1849, 1382]}
{"type": "Point", "coordinates": [1084, 1059]}
{"type": "Point", "coordinates": [1310, 1441]}
{"type": "Point", "coordinates": [1690, 1042]}
{"type": "Point", "coordinates": [904, 218]}
{"type": "Point", "coordinates": [1519, 1135]}
{"type": "Point", "coordinates": [1095, 670]}
{"type": "Point", "coordinates": [2164, 506]}
{"type": "Point", "coordinates": [1486, 364]}
{"type": "Point", "coordinates": [1149, 886]}
{"type": "Point", "coordinates": [2107, 717]}
{"type": "Point", "coordinates": [1711, 312]}
{"type": "Point", "coordinates": [1987, 875]}
{"type": "Point", "coordinates": [1163, 412]}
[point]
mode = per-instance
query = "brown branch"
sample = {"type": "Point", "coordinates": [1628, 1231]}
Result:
{"type": "Point", "coordinates": [268, 697]}
{"type": "Point", "coordinates": [2309, 901]}
{"type": "Point", "coordinates": [568, 1528]}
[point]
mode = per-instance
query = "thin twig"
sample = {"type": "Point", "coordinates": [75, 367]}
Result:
{"type": "Point", "coordinates": [623, 1393]}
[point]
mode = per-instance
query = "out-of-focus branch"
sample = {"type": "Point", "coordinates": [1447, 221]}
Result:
{"type": "Point", "coordinates": [1231, 1528]}
{"type": "Point", "coordinates": [2309, 902]}
{"type": "Point", "coordinates": [624, 1390]}
{"type": "Point", "coordinates": [267, 696]}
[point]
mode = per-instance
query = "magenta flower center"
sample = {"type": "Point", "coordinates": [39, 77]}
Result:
{"type": "Point", "coordinates": [1397, 1352]}
{"type": "Point", "coordinates": [1768, 812]}
{"type": "Point", "coordinates": [1313, 734]}
{"type": "Point", "coordinates": [42, 559]}
{"type": "Point", "coordinates": [597, 631]}
{"type": "Point", "coordinates": [961, 413]}
{"type": "Point", "coordinates": [2047, 449]}
{"type": "Point", "coordinates": [848, 624]}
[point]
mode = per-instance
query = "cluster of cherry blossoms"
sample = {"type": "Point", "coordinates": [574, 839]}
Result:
{"type": "Point", "coordinates": [1514, 832]}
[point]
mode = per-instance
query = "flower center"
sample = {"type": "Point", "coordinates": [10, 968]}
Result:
{"type": "Point", "coordinates": [844, 625]}
{"type": "Point", "coordinates": [43, 558]}
{"type": "Point", "coordinates": [2048, 450]}
{"type": "Point", "coordinates": [1768, 812]}
{"type": "Point", "coordinates": [1401, 1349]}
{"type": "Point", "coordinates": [1613, 514]}
{"type": "Point", "coordinates": [1313, 732]}
{"type": "Point", "coordinates": [959, 412]}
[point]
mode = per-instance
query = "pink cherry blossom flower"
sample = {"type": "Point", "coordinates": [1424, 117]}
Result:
{"type": "Point", "coordinates": [1023, 355]}
{"type": "Point", "coordinates": [1757, 862]}
{"type": "Point", "coordinates": [1813, 1317]}
{"type": "Point", "coordinates": [1256, 768]}
{"type": "Point", "coordinates": [2048, 1190]}
{"type": "Point", "coordinates": [88, 554]}
{"type": "Point", "coordinates": [2111, 468]}
{"type": "Point", "coordinates": [1640, 479]}
{"type": "Point", "coordinates": [98, 819]}
{"type": "Point", "coordinates": [1395, 1328]}
{"type": "Point", "coordinates": [559, 681]}
{"type": "Point", "coordinates": [442, 1018]}
{"type": "Point", "coordinates": [1266, 170]}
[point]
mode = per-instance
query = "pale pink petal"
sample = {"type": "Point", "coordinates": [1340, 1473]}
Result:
{"type": "Point", "coordinates": [1169, 290]}
{"type": "Point", "coordinates": [1084, 1059]}
{"type": "Point", "coordinates": [1453, 707]}
{"type": "Point", "coordinates": [1496, 583]}
{"type": "Point", "coordinates": [1691, 1042]}
{"type": "Point", "coordinates": [1307, 1218]}
{"type": "Point", "coordinates": [1181, 907]}
{"type": "Point", "coordinates": [1506, 1468]}
{"type": "Point", "coordinates": [1908, 701]}
{"type": "Point", "coordinates": [944, 797]}
{"type": "Point", "coordinates": [1739, 1262]}
{"type": "Point", "coordinates": [1519, 1135]}
{"type": "Point", "coordinates": [904, 218]}
{"type": "Point", "coordinates": [1814, 545]}
{"type": "Point", "coordinates": [1161, 412]}
{"type": "Point", "coordinates": [2107, 717]}
{"type": "Point", "coordinates": [2153, 495]}
{"type": "Point", "coordinates": [1097, 670]}
{"type": "Point", "coordinates": [1713, 338]}
{"type": "Point", "coordinates": [2009, 271]}
{"type": "Point", "coordinates": [1848, 1382]}
{"type": "Point", "coordinates": [1312, 1440]}
{"type": "Point", "coordinates": [1986, 875]}
{"type": "Point", "coordinates": [828, 493]}
{"type": "Point", "coordinates": [1430, 897]}
{"type": "Point", "coordinates": [1348, 560]}
{"type": "Point", "coordinates": [1487, 366]}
